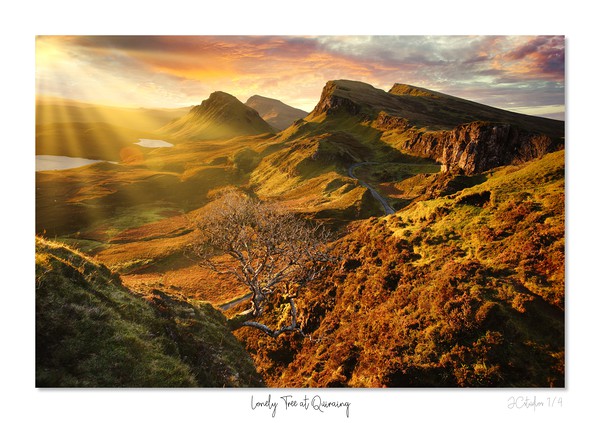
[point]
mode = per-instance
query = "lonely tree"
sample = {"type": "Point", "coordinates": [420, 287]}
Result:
{"type": "Point", "coordinates": [264, 247]}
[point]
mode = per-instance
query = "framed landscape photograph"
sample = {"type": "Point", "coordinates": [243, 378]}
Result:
{"type": "Point", "coordinates": [300, 211]}
{"type": "Point", "coordinates": [252, 211]}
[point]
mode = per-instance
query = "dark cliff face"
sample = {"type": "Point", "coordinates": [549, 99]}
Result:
{"type": "Point", "coordinates": [385, 122]}
{"type": "Point", "coordinates": [479, 146]}
{"type": "Point", "coordinates": [332, 101]}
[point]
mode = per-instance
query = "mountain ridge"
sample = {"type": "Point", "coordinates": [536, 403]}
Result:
{"type": "Point", "coordinates": [220, 116]}
{"type": "Point", "coordinates": [275, 112]}
{"type": "Point", "coordinates": [428, 124]}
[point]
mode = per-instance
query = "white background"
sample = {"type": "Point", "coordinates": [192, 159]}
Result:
{"type": "Point", "coordinates": [21, 21]}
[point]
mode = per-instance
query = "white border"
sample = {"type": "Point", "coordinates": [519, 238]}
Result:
{"type": "Point", "coordinates": [22, 402]}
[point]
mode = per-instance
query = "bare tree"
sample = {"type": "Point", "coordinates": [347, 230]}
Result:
{"type": "Point", "coordinates": [265, 248]}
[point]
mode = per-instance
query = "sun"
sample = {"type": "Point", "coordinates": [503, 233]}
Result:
{"type": "Point", "coordinates": [44, 50]}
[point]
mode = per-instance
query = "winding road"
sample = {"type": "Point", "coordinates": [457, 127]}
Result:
{"type": "Point", "coordinates": [388, 209]}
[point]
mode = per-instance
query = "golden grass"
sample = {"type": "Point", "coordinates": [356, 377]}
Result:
{"type": "Point", "coordinates": [463, 290]}
{"type": "Point", "coordinates": [193, 282]}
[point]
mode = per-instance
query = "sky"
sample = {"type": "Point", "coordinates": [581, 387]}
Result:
{"type": "Point", "coordinates": [525, 74]}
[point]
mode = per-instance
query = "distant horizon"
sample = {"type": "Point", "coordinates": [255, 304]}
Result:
{"type": "Point", "coordinates": [555, 115]}
{"type": "Point", "coordinates": [523, 74]}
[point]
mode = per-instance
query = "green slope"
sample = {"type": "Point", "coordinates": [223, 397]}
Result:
{"type": "Point", "coordinates": [221, 116]}
{"type": "Point", "coordinates": [93, 332]}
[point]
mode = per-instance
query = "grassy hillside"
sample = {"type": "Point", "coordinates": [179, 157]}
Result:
{"type": "Point", "coordinates": [310, 175]}
{"type": "Point", "coordinates": [462, 290]}
{"type": "Point", "coordinates": [106, 198]}
{"type": "Point", "coordinates": [221, 116]}
{"type": "Point", "coordinates": [308, 170]}
{"type": "Point", "coordinates": [420, 108]}
{"type": "Point", "coordinates": [440, 111]}
{"type": "Point", "coordinates": [93, 332]}
{"type": "Point", "coordinates": [135, 217]}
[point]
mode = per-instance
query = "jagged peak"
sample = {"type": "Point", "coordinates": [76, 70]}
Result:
{"type": "Point", "coordinates": [343, 94]}
{"type": "Point", "coordinates": [353, 98]}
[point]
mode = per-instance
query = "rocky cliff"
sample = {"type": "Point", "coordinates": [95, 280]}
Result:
{"type": "Point", "coordinates": [457, 133]}
{"type": "Point", "coordinates": [479, 146]}
{"type": "Point", "coordinates": [335, 97]}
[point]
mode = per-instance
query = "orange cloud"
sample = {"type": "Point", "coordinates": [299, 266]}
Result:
{"type": "Point", "coordinates": [534, 58]}
{"type": "Point", "coordinates": [169, 71]}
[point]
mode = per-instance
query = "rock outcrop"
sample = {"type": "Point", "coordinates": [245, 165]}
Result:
{"type": "Point", "coordinates": [333, 100]}
{"type": "Point", "coordinates": [405, 89]}
{"type": "Point", "coordinates": [479, 146]}
{"type": "Point", "coordinates": [460, 134]}
{"type": "Point", "coordinates": [386, 122]}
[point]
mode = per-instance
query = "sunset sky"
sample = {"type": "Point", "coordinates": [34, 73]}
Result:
{"type": "Point", "coordinates": [524, 74]}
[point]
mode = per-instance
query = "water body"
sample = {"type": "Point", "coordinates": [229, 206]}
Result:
{"type": "Point", "coordinates": [153, 143]}
{"type": "Point", "coordinates": [47, 162]}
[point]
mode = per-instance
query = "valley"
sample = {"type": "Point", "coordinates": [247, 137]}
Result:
{"type": "Point", "coordinates": [446, 218]}
{"type": "Point", "coordinates": [384, 203]}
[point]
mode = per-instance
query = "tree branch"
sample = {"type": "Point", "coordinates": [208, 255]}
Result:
{"type": "Point", "coordinates": [266, 246]}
